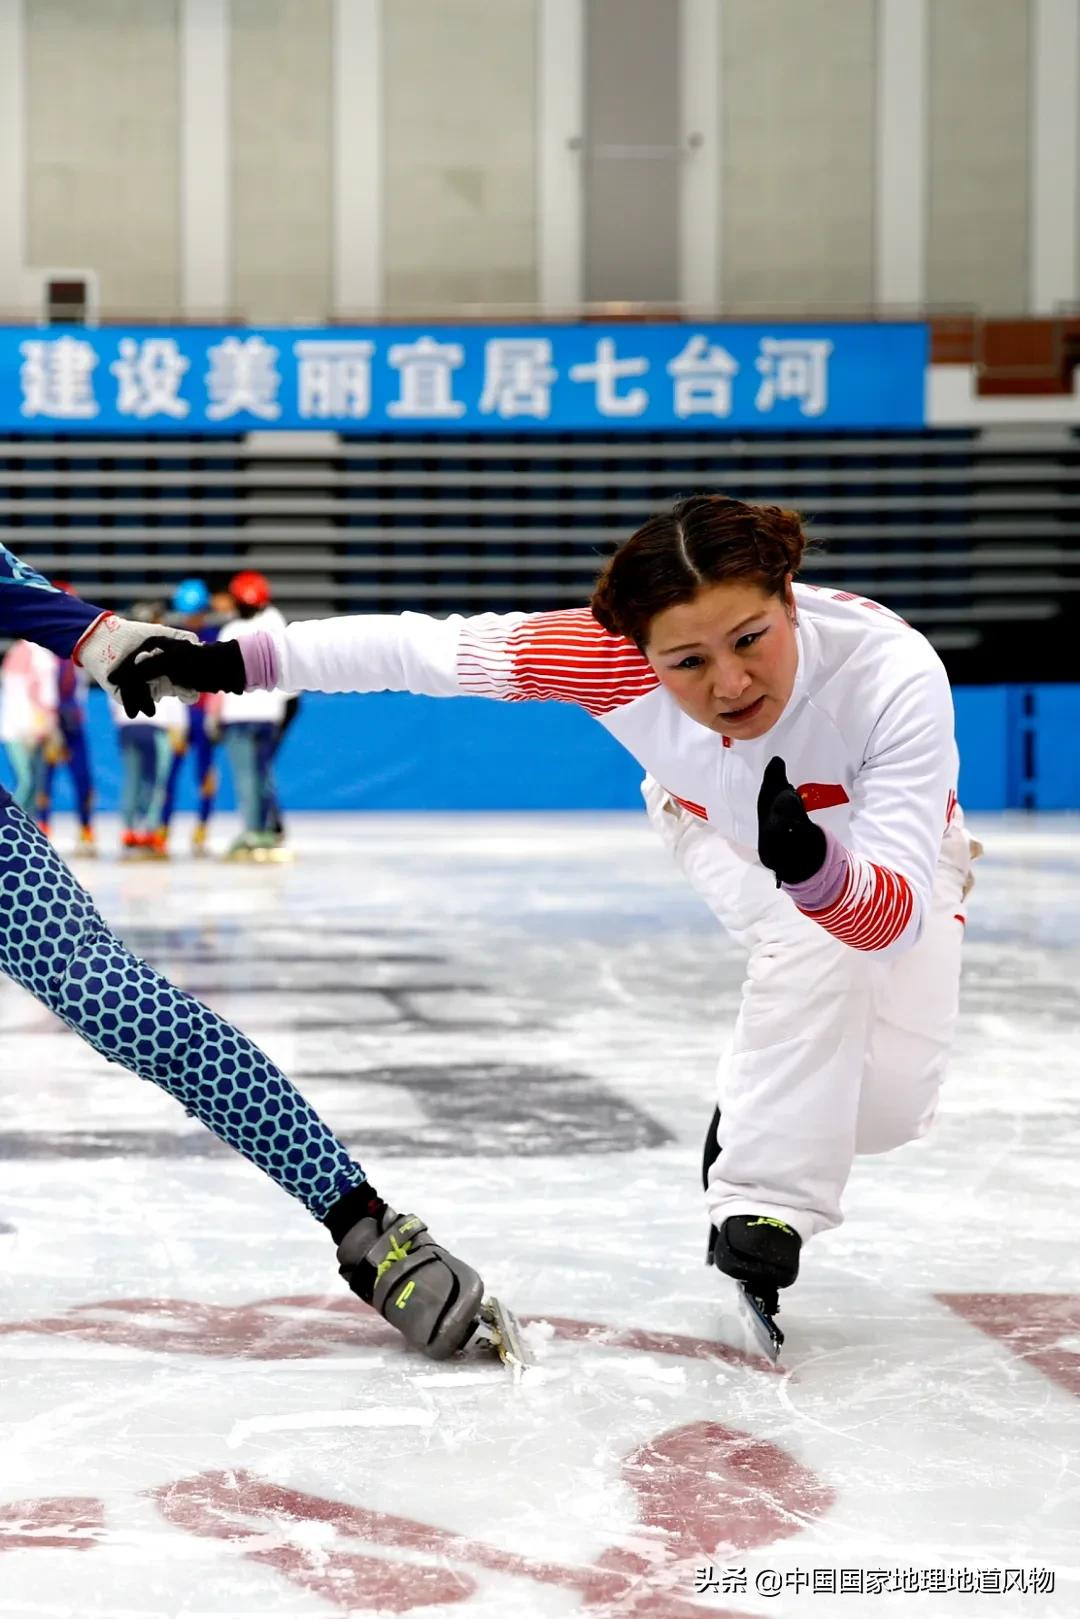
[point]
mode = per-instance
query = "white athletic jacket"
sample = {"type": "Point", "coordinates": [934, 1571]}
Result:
{"type": "Point", "coordinates": [867, 735]}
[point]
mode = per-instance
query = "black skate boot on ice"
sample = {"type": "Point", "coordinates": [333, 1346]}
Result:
{"type": "Point", "coordinates": [762, 1255]}
{"type": "Point", "coordinates": [394, 1265]}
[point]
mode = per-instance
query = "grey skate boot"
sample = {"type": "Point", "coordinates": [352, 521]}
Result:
{"type": "Point", "coordinates": [393, 1264]}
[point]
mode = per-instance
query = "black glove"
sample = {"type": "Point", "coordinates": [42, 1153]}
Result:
{"type": "Point", "coordinates": [788, 841]}
{"type": "Point", "coordinates": [186, 665]}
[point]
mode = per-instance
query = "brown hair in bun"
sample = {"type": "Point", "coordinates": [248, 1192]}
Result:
{"type": "Point", "coordinates": [703, 540]}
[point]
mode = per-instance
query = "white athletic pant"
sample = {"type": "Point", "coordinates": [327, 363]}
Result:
{"type": "Point", "coordinates": [833, 1052]}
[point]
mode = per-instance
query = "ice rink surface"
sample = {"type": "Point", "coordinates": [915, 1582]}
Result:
{"type": "Point", "coordinates": [514, 1021]}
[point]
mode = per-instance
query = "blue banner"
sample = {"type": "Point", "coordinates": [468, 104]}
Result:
{"type": "Point", "coordinates": [518, 379]}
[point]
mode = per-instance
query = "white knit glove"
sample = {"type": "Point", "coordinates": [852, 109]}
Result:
{"type": "Point", "coordinates": [110, 640]}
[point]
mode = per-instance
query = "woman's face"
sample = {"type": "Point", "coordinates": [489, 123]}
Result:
{"type": "Point", "coordinates": [728, 656]}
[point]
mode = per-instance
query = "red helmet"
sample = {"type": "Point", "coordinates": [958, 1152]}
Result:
{"type": "Point", "coordinates": [251, 589]}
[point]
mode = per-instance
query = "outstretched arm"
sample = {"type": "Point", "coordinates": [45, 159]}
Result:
{"type": "Point", "coordinates": [367, 652]}
{"type": "Point", "coordinates": [33, 609]}
{"type": "Point", "coordinates": [561, 656]}
{"type": "Point", "coordinates": [363, 652]}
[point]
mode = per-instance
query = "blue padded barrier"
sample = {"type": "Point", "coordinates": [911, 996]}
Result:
{"type": "Point", "coordinates": [392, 751]}
{"type": "Point", "coordinates": [988, 764]}
{"type": "Point", "coordinates": [1055, 723]}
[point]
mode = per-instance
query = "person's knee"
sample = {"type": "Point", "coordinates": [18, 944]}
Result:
{"type": "Point", "coordinates": [124, 1009]}
{"type": "Point", "coordinates": [883, 1130]}
{"type": "Point", "coordinates": [898, 1104]}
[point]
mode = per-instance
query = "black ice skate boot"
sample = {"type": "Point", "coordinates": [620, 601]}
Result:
{"type": "Point", "coordinates": [711, 1150]}
{"type": "Point", "coordinates": [710, 1153]}
{"type": "Point", "coordinates": [393, 1264]}
{"type": "Point", "coordinates": [762, 1254]}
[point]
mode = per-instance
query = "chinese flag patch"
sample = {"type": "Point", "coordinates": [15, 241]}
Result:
{"type": "Point", "coordinates": [818, 795]}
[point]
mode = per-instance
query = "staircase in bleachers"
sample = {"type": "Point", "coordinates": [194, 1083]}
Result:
{"type": "Point", "coordinates": [972, 535]}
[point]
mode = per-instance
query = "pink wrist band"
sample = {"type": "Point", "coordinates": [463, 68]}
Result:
{"type": "Point", "coordinates": [262, 670]}
{"type": "Point", "coordinates": [824, 886]}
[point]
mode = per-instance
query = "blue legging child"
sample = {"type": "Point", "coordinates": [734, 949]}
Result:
{"type": "Point", "coordinates": [251, 746]}
{"type": "Point", "coordinates": [76, 756]}
{"type": "Point", "coordinates": [200, 749]}
{"type": "Point", "coordinates": [146, 752]}
{"type": "Point", "coordinates": [54, 943]}
{"type": "Point", "coordinates": [28, 767]}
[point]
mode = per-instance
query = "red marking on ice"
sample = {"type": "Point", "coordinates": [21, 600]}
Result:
{"type": "Point", "coordinates": [305, 1326]}
{"type": "Point", "coordinates": [654, 1343]}
{"type": "Point", "coordinates": [675, 1476]}
{"type": "Point", "coordinates": [268, 1329]}
{"type": "Point", "coordinates": [708, 1486]}
{"type": "Point", "coordinates": [703, 1486]}
{"type": "Point", "coordinates": [819, 795]}
{"type": "Point", "coordinates": [56, 1522]}
{"type": "Point", "coordinates": [1032, 1325]}
{"type": "Point", "coordinates": [238, 1506]}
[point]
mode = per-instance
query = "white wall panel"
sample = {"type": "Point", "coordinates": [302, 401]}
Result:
{"type": "Point", "coordinates": [282, 152]}
{"type": "Point", "coordinates": [460, 153]}
{"type": "Point", "coordinates": [979, 151]}
{"type": "Point", "coordinates": [798, 167]}
{"type": "Point", "coordinates": [102, 146]}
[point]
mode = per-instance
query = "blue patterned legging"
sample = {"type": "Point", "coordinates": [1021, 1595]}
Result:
{"type": "Point", "coordinates": [54, 943]}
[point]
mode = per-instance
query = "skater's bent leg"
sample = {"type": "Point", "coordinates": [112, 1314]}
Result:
{"type": "Point", "coordinates": [134, 1016]}
{"type": "Point", "coordinates": [54, 943]}
{"type": "Point", "coordinates": [915, 1004]}
{"type": "Point", "coordinates": [789, 1083]}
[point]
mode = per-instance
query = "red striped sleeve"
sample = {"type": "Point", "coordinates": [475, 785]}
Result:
{"type": "Point", "coordinates": [688, 804]}
{"type": "Point", "coordinates": [872, 909]}
{"type": "Point", "coordinates": [564, 657]}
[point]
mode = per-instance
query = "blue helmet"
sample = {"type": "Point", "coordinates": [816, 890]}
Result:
{"type": "Point", "coordinates": [191, 596]}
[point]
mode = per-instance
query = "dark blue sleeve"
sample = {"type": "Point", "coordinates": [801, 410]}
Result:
{"type": "Point", "coordinates": [31, 609]}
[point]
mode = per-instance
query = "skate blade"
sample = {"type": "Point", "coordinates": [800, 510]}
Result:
{"type": "Point", "coordinates": [272, 857]}
{"type": "Point", "coordinates": [765, 1336]}
{"type": "Point", "coordinates": [503, 1333]}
